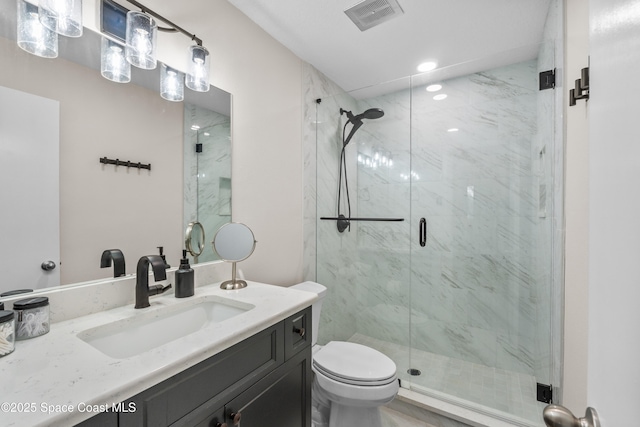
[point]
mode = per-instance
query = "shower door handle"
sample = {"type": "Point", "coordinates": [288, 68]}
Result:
{"type": "Point", "coordinates": [423, 232]}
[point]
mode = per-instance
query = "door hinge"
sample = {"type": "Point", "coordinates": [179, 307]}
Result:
{"type": "Point", "coordinates": [548, 79]}
{"type": "Point", "coordinates": [544, 393]}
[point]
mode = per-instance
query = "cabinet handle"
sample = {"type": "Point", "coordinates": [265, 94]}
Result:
{"type": "Point", "coordinates": [235, 417]}
{"type": "Point", "coordinates": [423, 232]}
{"type": "Point", "coordinates": [221, 424]}
{"type": "Point", "coordinates": [299, 331]}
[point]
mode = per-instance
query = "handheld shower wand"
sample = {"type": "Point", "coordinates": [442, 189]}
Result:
{"type": "Point", "coordinates": [356, 122]}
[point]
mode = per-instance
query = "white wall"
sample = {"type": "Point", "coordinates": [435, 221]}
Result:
{"type": "Point", "coordinates": [614, 207]}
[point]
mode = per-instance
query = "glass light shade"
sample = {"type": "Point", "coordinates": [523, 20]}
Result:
{"type": "Point", "coordinates": [171, 84]}
{"type": "Point", "coordinates": [33, 37]}
{"type": "Point", "coordinates": [142, 32]}
{"type": "Point", "coordinates": [113, 64]}
{"type": "Point", "coordinates": [62, 16]}
{"type": "Point", "coordinates": [197, 78]}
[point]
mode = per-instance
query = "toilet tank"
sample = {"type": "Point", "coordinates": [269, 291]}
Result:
{"type": "Point", "coordinates": [316, 307]}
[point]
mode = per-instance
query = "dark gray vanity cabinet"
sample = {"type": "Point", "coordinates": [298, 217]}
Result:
{"type": "Point", "coordinates": [265, 381]}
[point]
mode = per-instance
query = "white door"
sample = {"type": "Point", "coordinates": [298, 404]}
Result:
{"type": "Point", "coordinates": [29, 190]}
{"type": "Point", "coordinates": [614, 212]}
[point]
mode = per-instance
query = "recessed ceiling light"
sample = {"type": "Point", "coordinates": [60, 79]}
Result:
{"type": "Point", "coordinates": [434, 88]}
{"type": "Point", "coordinates": [453, 130]}
{"type": "Point", "coordinates": [440, 97]}
{"type": "Point", "coordinates": [427, 66]}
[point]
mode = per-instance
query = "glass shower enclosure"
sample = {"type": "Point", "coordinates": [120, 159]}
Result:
{"type": "Point", "coordinates": [459, 290]}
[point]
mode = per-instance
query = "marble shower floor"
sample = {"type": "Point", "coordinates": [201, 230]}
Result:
{"type": "Point", "coordinates": [500, 390]}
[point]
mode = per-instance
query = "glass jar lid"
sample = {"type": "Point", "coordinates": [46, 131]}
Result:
{"type": "Point", "coordinates": [28, 303]}
{"type": "Point", "coordinates": [5, 316]}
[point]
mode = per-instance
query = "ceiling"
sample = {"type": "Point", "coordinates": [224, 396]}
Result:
{"type": "Point", "coordinates": [462, 36]}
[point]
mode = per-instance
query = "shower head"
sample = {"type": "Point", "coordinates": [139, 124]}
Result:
{"type": "Point", "coordinates": [371, 114]}
{"type": "Point", "coordinates": [356, 121]}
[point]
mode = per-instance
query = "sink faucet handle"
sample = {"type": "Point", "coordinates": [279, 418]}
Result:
{"type": "Point", "coordinates": [158, 289]}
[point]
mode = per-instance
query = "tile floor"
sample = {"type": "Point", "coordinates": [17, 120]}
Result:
{"type": "Point", "coordinates": [496, 389]}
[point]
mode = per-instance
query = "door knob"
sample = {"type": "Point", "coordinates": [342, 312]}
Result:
{"type": "Point", "coordinates": [559, 416]}
{"type": "Point", "coordinates": [48, 265]}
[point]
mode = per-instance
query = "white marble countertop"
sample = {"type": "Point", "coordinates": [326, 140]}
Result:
{"type": "Point", "coordinates": [57, 379]}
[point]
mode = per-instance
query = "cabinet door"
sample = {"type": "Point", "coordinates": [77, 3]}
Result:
{"type": "Point", "coordinates": [281, 399]}
{"type": "Point", "coordinates": [104, 419]}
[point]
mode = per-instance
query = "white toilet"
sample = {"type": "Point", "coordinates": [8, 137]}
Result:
{"type": "Point", "coordinates": [351, 381]}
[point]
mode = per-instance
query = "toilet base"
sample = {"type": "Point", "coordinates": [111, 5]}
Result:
{"type": "Point", "coordinates": [343, 416]}
{"type": "Point", "coordinates": [353, 416]}
{"type": "Point", "coordinates": [325, 412]}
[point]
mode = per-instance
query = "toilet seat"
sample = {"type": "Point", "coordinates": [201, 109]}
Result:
{"type": "Point", "coordinates": [355, 364]}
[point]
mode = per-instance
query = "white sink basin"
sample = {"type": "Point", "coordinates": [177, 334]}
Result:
{"type": "Point", "coordinates": [145, 331]}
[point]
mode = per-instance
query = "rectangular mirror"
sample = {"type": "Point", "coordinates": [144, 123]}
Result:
{"type": "Point", "coordinates": [66, 117]}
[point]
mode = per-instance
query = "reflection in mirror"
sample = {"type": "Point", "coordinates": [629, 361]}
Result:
{"type": "Point", "coordinates": [194, 239]}
{"type": "Point", "coordinates": [83, 117]}
{"type": "Point", "coordinates": [207, 168]}
{"type": "Point", "coordinates": [234, 242]}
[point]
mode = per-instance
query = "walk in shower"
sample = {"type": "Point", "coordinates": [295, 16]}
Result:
{"type": "Point", "coordinates": [460, 289]}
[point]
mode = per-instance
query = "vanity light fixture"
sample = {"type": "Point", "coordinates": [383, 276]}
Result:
{"type": "Point", "coordinates": [171, 84]}
{"type": "Point", "coordinates": [113, 64]}
{"type": "Point", "coordinates": [198, 69]}
{"type": "Point", "coordinates": [142, 32]}
{"type": "Point", "coordinates": [62, 16]}
{"type": "Point", "coordinates": [33, 37]}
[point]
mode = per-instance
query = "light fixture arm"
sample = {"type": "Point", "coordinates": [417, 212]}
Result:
{"type": "Point", "coordinates": [175, 27]}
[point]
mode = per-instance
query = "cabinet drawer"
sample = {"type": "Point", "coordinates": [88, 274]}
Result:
{"type": "Point", "coordinates": [238, 366]}
{"type": "Point", "coordinates": [297, 332]}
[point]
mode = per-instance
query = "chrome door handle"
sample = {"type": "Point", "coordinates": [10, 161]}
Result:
{"type": "Point", "coordinates": [423, 232]}
{"type": "Point", "coordinates": [559, 416]}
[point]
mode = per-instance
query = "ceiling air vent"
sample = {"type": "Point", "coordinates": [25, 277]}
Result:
{"type": "Point", "coordinates": [369, 13]}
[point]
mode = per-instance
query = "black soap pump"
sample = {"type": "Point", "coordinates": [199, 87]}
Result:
{"type": "Point", "coordinates": [184, 278]}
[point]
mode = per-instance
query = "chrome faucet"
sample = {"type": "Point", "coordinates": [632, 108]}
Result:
{"type": "Point", "coordinates": [143, 290]}
{"type": "Point", "coordinates": [118, 261]}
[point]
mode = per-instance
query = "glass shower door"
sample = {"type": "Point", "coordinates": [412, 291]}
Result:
{"type": "Point", "coordinates": [480, 285]}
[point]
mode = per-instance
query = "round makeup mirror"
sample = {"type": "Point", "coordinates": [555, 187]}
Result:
{"type": "Point", "coordinates": [194, 239]}
{"type": "Point", "coordinates": [234, 242]}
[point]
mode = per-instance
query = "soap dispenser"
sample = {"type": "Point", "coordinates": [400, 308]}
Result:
{"type": "Point", "coordinates": [184, 278]}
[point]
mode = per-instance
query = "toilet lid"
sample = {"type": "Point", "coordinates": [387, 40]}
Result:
{"type": "Point", "coordinates": [354, 363]}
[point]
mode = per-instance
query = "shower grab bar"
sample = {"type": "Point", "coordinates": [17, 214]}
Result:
{"type": "Point", "coordinates": [334, 218]}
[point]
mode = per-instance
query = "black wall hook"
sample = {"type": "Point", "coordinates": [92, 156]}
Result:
{"type": "Point", "coordinates": [581, 91]}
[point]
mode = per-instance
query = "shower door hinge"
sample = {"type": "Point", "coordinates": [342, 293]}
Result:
{"type": "Point", "coordinates": [548, 79]}
{"type": "Point", "coordinates": [544, 393]}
